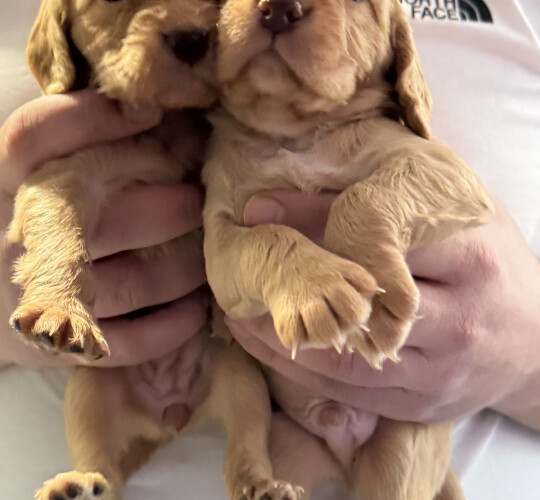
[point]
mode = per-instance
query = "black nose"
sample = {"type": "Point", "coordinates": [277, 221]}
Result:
{"type": "Point", "coordinates": [188, 46]}
{"type": "Point", "coordinates": [279, 16]}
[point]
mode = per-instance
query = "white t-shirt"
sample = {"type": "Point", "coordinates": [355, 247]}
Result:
{"type": "Point", "coordinates": [481, 59]}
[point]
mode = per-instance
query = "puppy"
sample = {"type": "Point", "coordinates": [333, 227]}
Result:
{"type": "Point", "coordinates": [160, 53]}
{"type": "Point", "coordinates": [151, 52]}
{"type": "Point", "coordinates": [328, 95]}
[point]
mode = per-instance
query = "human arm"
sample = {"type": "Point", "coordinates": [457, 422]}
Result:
{"type": "Point", "coordinates": [474, 347]}
{"type": "Point", "coordinates": [142, 216]}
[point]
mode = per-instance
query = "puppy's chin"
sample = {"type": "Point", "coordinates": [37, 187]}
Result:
{"type": "Point", "coordinates": [269, 96]}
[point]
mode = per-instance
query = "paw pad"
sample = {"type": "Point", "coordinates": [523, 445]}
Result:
{"type": "Point", "coordinates": [74, 486]}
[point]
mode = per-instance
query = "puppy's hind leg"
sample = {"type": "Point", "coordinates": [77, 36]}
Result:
{"type": "Point", "coordinates": [403, 461]}
{"type": "Point", "coordinates": [303, 458]}
{"type": "Point", "coordinates": [239, 398]}
{"type": "Point", "coordinates": [108, 437]}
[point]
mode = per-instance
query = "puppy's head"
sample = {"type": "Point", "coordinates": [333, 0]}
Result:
{"type": "Point", "coordinates": [281, 63]}
{"type": "Point", "coordinates": [139, 51]}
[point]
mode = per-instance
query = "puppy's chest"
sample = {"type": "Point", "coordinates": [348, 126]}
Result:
{"type": "Point", "coordinates": [309, 170]}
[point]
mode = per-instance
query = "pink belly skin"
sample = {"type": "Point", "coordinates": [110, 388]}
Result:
{"type": "Point", "coordinates": [343, 427]}
{"type": "Point", "coordinates": [173, 386]}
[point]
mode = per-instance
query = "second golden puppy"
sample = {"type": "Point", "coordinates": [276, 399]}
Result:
{"type": "Point", "coordinates": [158, 53]}
{"type": "Point", "coordinates": [329, 95]}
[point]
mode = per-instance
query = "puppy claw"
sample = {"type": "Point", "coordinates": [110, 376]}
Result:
{"type": "Point", "coordinates": [394, 356]}
{"type": "Point", "coordinates": [16, 324]}
{"type": "Point", "coordinates": [380, 291]}
{"type": "Point", "coordinates": [60, 328]}
{"type": "Point", "coordinates": [294, 349]}
{"type": "Point", "coordinates": [338, 346]}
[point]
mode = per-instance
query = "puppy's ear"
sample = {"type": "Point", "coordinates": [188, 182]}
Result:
{"type": "Point", "coordinates": [48, 50]}
{"type": "Point", "coordinates": [413, 93]}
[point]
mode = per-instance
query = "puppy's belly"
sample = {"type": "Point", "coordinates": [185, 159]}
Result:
{"type": "Point", "coordinates": [343, 427]}
{"type": "Point", "coordinates": [171, 387]}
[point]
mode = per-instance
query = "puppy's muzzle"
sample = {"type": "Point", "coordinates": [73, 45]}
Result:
{"type": "Point", "coordinates": [280, 16]}
{"type": "Point", "coordinates": [188, 46]}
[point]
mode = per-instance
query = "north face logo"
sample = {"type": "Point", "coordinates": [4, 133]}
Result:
{"type": "Point", "coordinates": [449, 10]}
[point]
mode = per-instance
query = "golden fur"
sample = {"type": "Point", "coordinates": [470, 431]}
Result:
{"type": "Point", "coordinates": [109, 427]}
{"type": "Point", "coordinates": [121, 47]}
{"type": "Point", "coordinates": [338, 103]}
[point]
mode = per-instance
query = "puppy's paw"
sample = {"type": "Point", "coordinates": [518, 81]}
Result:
{"type": "Point", "coordinates": [270, 490]}
{"type": "Point", "coordinates": [76, 486]}
{"type": "Point", "coordinates": [324, 302]}
{"type": "Point", "coordinates": [61, 327]}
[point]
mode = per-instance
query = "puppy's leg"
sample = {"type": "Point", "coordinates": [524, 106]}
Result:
{"type": "Point", "coordinates": [403, 461]}
{"type": "Point", "coordinates": [314, 296]}
{"type": "Point", "coordinates": [301, 457]}
{"type": "Point", "coordinates": [239, 398]}
{"type": "Point", "coordinates": [55, 211]}
{"type": "Point", "coordinates": [108, 437]}
{"type": "Point", "coordinates": [54, 272]}
{"type": "Point", "coordinates": [411, 203]}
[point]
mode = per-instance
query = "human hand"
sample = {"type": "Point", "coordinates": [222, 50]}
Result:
{"type": "Point", "coordinates": [142, 216]}
{"type": "Point", "coordinates": [475, 345]}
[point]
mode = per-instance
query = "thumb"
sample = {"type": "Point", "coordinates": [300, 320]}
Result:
{"type": "Point", "coordinates": [307, 213]}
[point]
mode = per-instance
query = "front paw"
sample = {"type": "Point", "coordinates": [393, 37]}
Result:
{"type": "Point", "coordinates": [324, 302]}
{"type": "Point", "coordinates": [76, 486]}
{"type": "Point", "coordinates": [269, 490]}
{"type": "Point", "coordinates": [61, 326]}
{"type": "Point", "coordinates": [393, 313]}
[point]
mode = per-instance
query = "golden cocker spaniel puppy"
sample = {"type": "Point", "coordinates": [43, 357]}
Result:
{"type": "Point", "coordinates": [328, 95]}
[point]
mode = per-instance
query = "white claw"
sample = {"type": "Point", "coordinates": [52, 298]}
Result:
{"type": "Point", "coordinates": [338, 346]}
{"type": "Point", "coordinates": [294, 350]}
{"type": "Point", "coordinates": [394, 357]}
{"type": "Point", "coordinates": [381, 291]}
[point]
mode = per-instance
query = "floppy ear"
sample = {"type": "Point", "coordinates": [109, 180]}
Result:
{"type": "Point", "coordinates": [48, 50]}
{"type": "Point", "coordinates": [413, 94]}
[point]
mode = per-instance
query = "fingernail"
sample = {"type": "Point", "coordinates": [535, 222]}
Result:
{"type": "Point", "coordinates": [261, 210]}
{"type": "Point", "coordinates": [143, 113]}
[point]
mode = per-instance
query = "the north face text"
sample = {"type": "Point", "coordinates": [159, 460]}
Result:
{"type": "Point", "coordinates": [449, 10]}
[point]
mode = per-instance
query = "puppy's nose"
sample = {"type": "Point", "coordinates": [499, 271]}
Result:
{"type": "Point", "coordinates": [188, 46]}
{"type": "Point", "coordinates": [279, 16]}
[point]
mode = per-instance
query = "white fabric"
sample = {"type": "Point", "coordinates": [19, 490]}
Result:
{"type": "Point", "coordinates": [485, 80]}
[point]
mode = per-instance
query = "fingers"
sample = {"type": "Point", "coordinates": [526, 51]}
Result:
{"type": "Point", "coordinates": [131, 281]}
{"type": "Point", "coordinates": [307, 213]}
{"type": "Point", "coordinates": [54, 126]}
{"type": "Point", "coordinates": [258, 337]}
{"type": "Point", "coordinates": [389, 401]}
{"type": "Point", "coordinates": [134, 340]}
{"type": "Point", "coordinates": [145, 216]}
